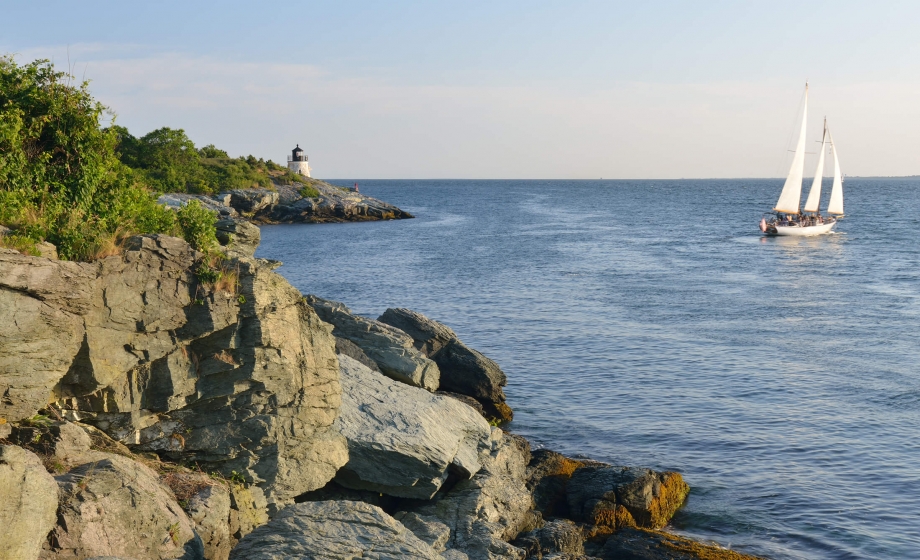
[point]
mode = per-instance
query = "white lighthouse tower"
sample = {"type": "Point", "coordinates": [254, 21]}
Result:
{"type": "Point", "coordinates": [297, 162]}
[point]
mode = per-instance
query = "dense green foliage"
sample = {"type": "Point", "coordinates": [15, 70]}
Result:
{"type": "Point", "coordinates": [169, 162]}
{"type": "Point", "coordinates": [60, 176]}
{"type": "Point", "coordinates": [68, 179]}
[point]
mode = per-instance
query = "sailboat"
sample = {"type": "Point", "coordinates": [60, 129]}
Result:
{"type": "Point", "coordinates": [786, 219]}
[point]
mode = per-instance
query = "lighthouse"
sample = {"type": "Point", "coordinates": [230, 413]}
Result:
{"type": "Point", "coordinates": [297, 162]}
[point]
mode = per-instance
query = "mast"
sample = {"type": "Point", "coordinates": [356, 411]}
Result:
{"type": "Point", "coordinates": [791, 196]}
{"type": "Point", "coordinates": [835, 206]}
{"type": "Point", "coordinates": [814, 195]}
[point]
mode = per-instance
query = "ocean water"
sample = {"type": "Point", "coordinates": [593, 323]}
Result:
{"type": "Point", "coordinates": [648, 323]}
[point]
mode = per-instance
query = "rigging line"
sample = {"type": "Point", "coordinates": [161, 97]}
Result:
{"type": "Point", "coordinates": [795, 120]}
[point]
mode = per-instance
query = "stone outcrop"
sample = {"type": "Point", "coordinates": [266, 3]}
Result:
{"type": "Point", "coordinates": [219, 204]}
{"type": "Point", "coordinates": [286, 204]}
{"type": "Point", "coordinates": [334, 530]}
{"type": "Point", "coordinates": [41, 327]}
{"type": "Point", "coordinates": [209, 510]}
{"type": "Point", "coordinates": [402, 440]}
{"type": "Point", "coordinates": [463, 370]}
{"type": "Point", "coordinates": [493, 507]}
{"type": "Point", "coordinates": [642, 544]}
{"type": "Point", "coordinates": [348, 348]}
{"type": "Point", "coordinates": [250, 202]}
{"type": "Point", "coordinates": [248, 510]}
{"type": "Point", "coordinates": [611, 498]}
{"type": "Point", "coordinates": [556, 537]}
{"type": "Point", "coordinates": [239, 238]}
{"type": "Point", "coordinates": [431, 531]}
{"type": "Point", "coordinates": [117, 506]}
{"type": "Point", "coordinates": [547, 477]}
{"type": "Point", "coordinates": [241, 378]}
{"type": "Point", "coordinates": [391, 349]}
{"type": "Point", "coordinates": [28, 502]}
{"type": "Point", "coordinates": [331, 204]}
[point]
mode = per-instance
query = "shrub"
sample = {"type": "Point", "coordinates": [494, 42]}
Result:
{"type": "Point", "coordinates": [197, 225]}
{"type": "Point", "coordinates": [61, 178]}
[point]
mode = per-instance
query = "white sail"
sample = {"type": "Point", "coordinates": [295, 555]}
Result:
{"type": "Point", "coordinates": [814, 195]}
{"type": "Point", "coordinates": [835, 206]}
{"type": "Point", "coordinates": [791, 196]}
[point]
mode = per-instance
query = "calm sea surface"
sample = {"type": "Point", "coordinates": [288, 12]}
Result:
{"type": "Point", "coordinates": [648, 323]}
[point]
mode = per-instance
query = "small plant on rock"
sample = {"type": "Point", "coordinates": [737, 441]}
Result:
{"type": "Point", "coordinates": [197, 225]}
{"type": "Point", "coordinates": [173, 532]}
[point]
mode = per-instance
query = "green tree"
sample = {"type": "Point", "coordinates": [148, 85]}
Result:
{"type": "Point", "coordinates": [171, 161]}
{"type": "Point", "coordinates": [211, 151]}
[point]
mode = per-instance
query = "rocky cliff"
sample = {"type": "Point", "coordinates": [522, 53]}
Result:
{"type": "Point", "coordinates": [312, 201]}
{"type": "Point", "coordinates": [163, 404]}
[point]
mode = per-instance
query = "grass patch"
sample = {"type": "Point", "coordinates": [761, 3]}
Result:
{"type": "Point", "coordinates": [20, 243]}
{"type": "Point", "coordinates": [309, 191]}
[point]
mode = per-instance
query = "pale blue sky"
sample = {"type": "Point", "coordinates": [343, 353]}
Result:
{"type": "Point", "coordinates": [500, 89]}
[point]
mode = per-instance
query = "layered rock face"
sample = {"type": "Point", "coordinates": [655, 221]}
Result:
{"type": "Point", "coordinates": [463, 370]}
{"type": "Point", "coordinates": [242, 379]}
{"type": "Point", "coordinates": [391, 349]}
{"type": "Point", "coordinates": [402, 440]}
{"type": "Point", "coordinates": [490, 509]}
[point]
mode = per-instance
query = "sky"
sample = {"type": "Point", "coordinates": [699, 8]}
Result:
{"type": "Point", "coordinates": [500, 89]}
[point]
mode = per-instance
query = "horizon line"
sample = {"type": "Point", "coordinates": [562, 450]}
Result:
{"type": "Point", "coordinates": [613, 179]}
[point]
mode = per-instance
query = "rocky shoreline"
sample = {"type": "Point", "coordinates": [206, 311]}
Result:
{"type": "Point", "coordinates": [310, 202]}
{"type": "Point", "coordinates": [159, 405]}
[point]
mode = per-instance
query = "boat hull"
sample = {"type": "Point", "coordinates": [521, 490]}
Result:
{"type": "Point", "coordinates": [804, 231]}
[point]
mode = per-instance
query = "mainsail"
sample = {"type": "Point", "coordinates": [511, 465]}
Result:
{"type": "Point", "coordinates": [814, 195]}
{"type": "Point", "coordinates": [792, 191]}
{"type": "Point", "coordinates": [835, 206]}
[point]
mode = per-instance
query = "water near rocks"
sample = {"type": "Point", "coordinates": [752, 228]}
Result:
{"type": "Point", "coordinates": [648, 323]}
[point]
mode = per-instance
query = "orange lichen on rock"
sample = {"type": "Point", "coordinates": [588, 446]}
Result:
{"type": "Point", "coordinates": [670, 496]}
{"type": "Point", "coordinates": [632, 542]}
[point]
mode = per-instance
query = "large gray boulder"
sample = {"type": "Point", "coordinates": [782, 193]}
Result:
{"type": "Point", "coordinates": [239, 376]}
{"type": "Point", "coordinates": [492, 508]}
{"type": "Point", "coordinates": [334, 530]}
{"type": "Point", "coordinates": [28, 502]}
{"type": "Point", "coordinates": [463, 370]}
{"type": "Point", "coordinates": [118, 507]}
{"type": "Point", "coordinates": [392, 350]}
{"type": "Point", "coordinates": [402, 440]}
